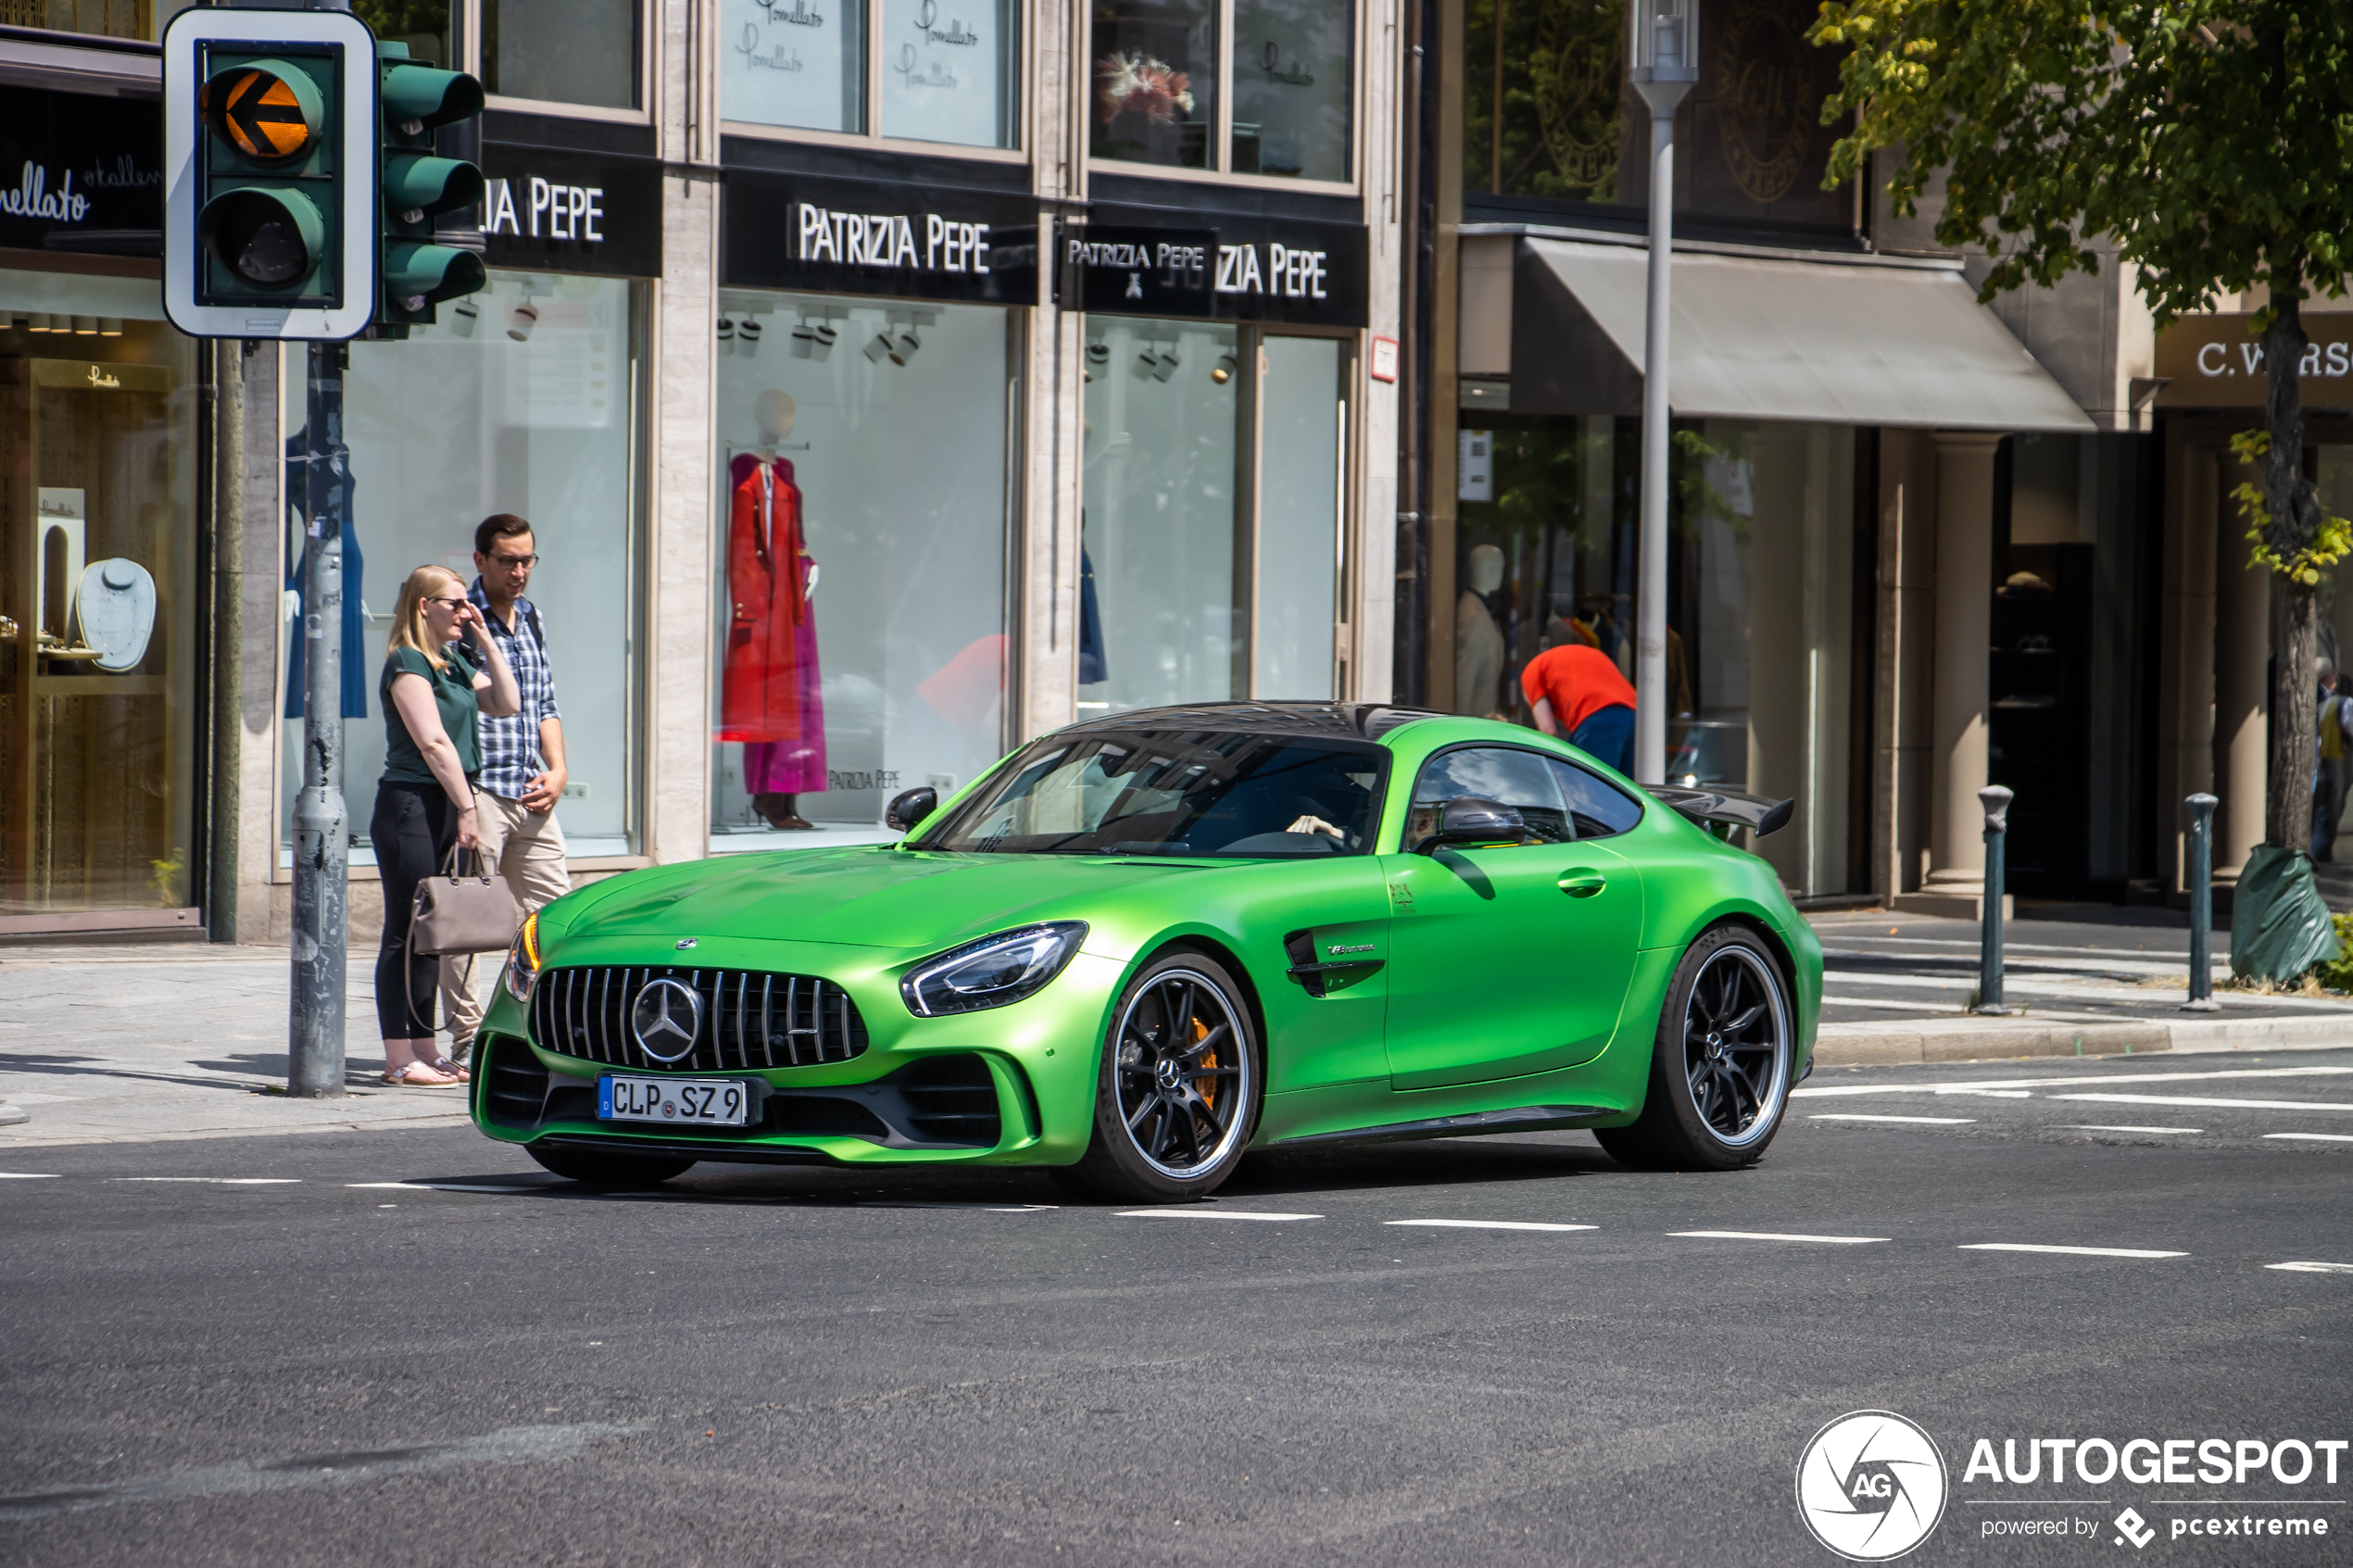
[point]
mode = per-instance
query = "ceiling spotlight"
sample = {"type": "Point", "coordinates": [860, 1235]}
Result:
{"type": "Point", "coordinates": [85, 326]}
{"type": "Point", "coordinates": [1167, 365]}
{"type": "Point", "coordinates": [878, 348]}
{"type": "Point", "coordinates": [521, 320]}
{"type": "Point", "coordinates": [466, 316]}
{"type": "Point", "coordinates": [748, 335]}
{"type": "Point", "coordinates": [906, 343]}
{"type": "Point", "coordinates": [37, 322]}
{"type": "Point", "coordinates": [726, 329]}
{"type": "Point", "coordinates": [109, 326]}
{"type": "Point", "coordinates": [1223, 371]}
{"type": "Point", "coordinates": [1146, 363]}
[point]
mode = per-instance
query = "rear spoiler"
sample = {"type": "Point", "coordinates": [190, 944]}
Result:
{"type": "Point", "coordinates": [1726, 808]}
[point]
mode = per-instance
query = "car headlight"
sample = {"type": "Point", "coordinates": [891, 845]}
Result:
{"type": "Point", "coordinates": [523, 958]}
{"type": "Point", "coordinates": [993, 972]}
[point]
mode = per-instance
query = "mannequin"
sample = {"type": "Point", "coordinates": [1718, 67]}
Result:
{"type": "Point", "coordinates": [1479, 645]}
{"type": "Point", "coordinates": [769, 691]}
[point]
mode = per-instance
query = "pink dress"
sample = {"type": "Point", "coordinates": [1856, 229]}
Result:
{"type": "Point", "coordinates": [795, 766]}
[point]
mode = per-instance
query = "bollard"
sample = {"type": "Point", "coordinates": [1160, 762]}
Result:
{"type": "Point", "coordinates": [2201, 880]}
{"type": "Point", "coordinates": [1996, 801]}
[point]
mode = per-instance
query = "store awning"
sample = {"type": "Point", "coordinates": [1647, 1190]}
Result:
{"type": "Point", "coordinates": [1756, 338]}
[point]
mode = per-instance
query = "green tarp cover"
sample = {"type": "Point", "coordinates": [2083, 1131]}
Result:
{"type": "Point", "coordinates": [2280, 925]}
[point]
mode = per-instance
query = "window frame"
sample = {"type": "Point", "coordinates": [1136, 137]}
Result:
{"type": "Point", "coordinates": [1413, 792]}
{"type": "Point", "coordinates": [872, 139]}
{"type": "Point", "coordinates": [466, 16]}
{"type": "Point", "coordinates": [1222, 171]}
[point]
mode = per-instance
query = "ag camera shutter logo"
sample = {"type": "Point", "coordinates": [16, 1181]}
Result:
{"type": "Point", "coordinates": [1870, 1486]}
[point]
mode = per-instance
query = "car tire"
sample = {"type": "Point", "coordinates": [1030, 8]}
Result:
{"type": "Point", "coordinates": [1721, 1066]}
{"type": "Point", "coordinates": [595, 1168]}
{"type": "Point", "coordinates": [1177, 1090]}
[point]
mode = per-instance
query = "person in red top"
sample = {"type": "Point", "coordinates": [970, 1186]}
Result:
{"type": "Point", "coordinates": [1577, 692]}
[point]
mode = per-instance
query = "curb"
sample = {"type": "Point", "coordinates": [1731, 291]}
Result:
{"type": "Point", "coordinates": [1977, 1039]}
{"type": "Point", "coordinates": [12, 1114]}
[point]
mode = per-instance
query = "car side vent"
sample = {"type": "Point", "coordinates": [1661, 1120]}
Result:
{"type": "Point", "coordinates": [514, 1085]}
{"type": "Point", "coordinates": [952, 1099]}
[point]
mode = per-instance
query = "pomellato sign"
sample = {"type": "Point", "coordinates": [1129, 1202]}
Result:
{"type": "Point", "coordinates": [79, 173]}
{"type": "Point", "coordinates": [2217, 361]}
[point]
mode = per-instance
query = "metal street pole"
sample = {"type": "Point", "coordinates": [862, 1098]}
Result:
{"type": "Point", "coordinates": [1664, 39]}
{"type": "Point", "coordinates": [2202, 904]}
{"type": "Point", "coordinates": [1996, 801]}
{"type": "Point", "coordinates": [322, 835]}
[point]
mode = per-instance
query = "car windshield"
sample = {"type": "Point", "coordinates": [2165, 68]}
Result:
{"type": "Point", "coordinates": [1159, 794]}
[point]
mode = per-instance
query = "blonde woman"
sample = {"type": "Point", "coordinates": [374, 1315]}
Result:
{"type": "Point", "coordinates": [432, 692]}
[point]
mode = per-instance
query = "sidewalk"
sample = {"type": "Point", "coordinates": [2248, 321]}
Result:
{"type": "Point", "coordinates": [2079, 980]}
{"type": "Point", "coordinates": [188, 1040]}
{"type": "Point", "coordinates": [180, 1040]}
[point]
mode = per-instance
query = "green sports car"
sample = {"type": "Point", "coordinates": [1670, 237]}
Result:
{"type": "Point", "coordinates": [1144, 945]}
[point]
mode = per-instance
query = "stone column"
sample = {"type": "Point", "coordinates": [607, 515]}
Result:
{"type": "Point", "coordinates": [2188, 632]}
{"type": "Point", "coordinates": [1964, 630]}
{"type": "Point", "coordinates": [2242, 663]}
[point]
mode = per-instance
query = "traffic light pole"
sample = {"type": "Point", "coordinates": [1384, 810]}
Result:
{"type": "Point", "coordinates": [322, 830]}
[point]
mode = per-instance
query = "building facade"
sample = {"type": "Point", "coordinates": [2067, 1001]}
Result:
{"type": "Point", "coordinates": [978, 371]}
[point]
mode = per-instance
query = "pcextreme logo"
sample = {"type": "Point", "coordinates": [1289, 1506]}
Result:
{"type": "Point", "coordinates": [1870, 1486]}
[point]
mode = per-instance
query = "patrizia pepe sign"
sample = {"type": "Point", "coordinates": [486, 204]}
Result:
{"type": "Point", "coordinates": [876, 238]}
{"type": "Point", "coordinates": [1246, 270]}
{"type": "Point", "coordinates": [73, 167]}
{"type": "Point", "coordinates": [584, 212]}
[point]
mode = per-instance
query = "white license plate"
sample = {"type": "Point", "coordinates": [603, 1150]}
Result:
{"type": "Point", "coordinates": [724, 1102]}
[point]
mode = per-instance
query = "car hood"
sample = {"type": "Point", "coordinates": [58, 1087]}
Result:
{"type": "Point", "coordinates": [868, 895]}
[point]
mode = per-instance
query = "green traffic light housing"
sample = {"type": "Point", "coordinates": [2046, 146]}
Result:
{"type": "Point", "coordinates": [418, 98]}
{"type": "Point", "coordinates": [419, 186]}
{"type": "Point", "coordinates": [418, 277]}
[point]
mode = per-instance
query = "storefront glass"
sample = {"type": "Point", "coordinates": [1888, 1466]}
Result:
{"type": "Point", "coordinates": [564, 51]}
{"type": "Point", "coordinates": [1300, 542]}
{"type": "Point", "coordinates": [859, 608]}
{"type": "Point", "coordinates": [98, 596]}
{"type": "Point", "coordinates": [800, 64]}
{"type": "Point", "coordinates": [1294, 82]}
{"type": "Point", "coordinates": [526, 398]}
{"type": "Point", "coordinates": [1760, 601]}
{"type": "Point", "coordinates": [1155, 80]}
{"type": "Point", "coordinates": [955, 81]}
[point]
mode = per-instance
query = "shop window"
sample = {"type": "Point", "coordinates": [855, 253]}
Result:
{"type": "Point", "coordinates": [1156, 68]}
{"type": "Point", "coordinates": [1200, 581]}
{"type": "Point", "coordinates": [422, 25]}
{"type": "Point", "coordinates": [587, 52]}
{"type": "Point", "coordinates": [1760, 601]}
{"type": "Point", "coordinates": [101, 19]}
{"type": "Point", "coordinates": [858, 609]}
{"type": "Point", "coordinates": [98, 599]}
{"type": "Point", "coordinates": [945, 72]}
{"type": "Point", "coordinates": [525, 398]}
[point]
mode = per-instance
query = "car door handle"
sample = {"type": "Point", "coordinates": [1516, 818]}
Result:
{"type": "Point", "coordinates": [1581, 883]}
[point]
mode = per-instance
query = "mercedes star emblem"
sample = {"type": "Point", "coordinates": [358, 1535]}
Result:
{"type": "Point", "coordinates": [683, 943]}
{"type": "Point", "coordinates": [666, 1018]}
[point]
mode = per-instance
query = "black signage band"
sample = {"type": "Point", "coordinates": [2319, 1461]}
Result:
{"type": "Point", "coordinates": [866, 237]}
{"type": "Point", "coordinates": [1244, 269]}
{"type": "Point", "coordinates": [549, 208]}
{"type": "Point", "coordinates": [81, 173]}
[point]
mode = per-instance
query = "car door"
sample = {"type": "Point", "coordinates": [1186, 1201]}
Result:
{"type": "Point", "coordinates": [1509, 959]}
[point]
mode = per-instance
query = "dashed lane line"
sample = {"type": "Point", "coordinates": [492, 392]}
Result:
{"type": "Point", "coordinates": [1841, 1090]}
{"type": "Point", "coordinates": [1490, 1225]}
{"type": "Point", "coordinates": [2210, 1103]}
{"type": "Point", "coordinates": [220, 1180]}
{"type": "Point", "coordinates": [2099, 1127]}
{"type": "Point", "coordinates": [30, 1175]}
{"type": "Point", "coordinates": [1859, 1116]}
{"type": "Point", "coordinates": [2310, 1138]}
{"type": "Point", "coordinates": [1206, 1214]}
{"type": "Point", "coordinates": [1777, 1235]}
{"type": "Point", "coordinates": [2312, 1268]}
{"type": "Point", "coordinates": [2069, 1251]}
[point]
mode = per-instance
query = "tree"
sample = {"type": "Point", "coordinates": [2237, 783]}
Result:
{"type": "Point", "coordinates": [2212, 141]}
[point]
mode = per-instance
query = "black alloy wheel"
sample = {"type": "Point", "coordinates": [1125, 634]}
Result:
{"type": "Point", "coordinates": [625, 1172]}
{"type": "Point", "coordinates": [1176, 1097]}
{"type": "Point", "coordinates": [1720, 1077]}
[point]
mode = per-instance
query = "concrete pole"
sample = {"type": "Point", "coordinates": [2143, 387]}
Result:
{"type": "Point", "coordinates": [228, 633]}
{"type": "Point", "coordinates": [1964, 635]}
{"type": "Point", "coordinates": [322, 834]}
{"type": "Point", "coordinates": [2241, 690]}
{"type": "Point", "coordinates": [1650, 588]}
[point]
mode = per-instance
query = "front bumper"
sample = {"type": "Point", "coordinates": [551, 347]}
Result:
{"type": "Point", "coordinates": [1009, 1086]}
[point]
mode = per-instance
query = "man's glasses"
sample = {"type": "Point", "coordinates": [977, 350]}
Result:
{"type": "Point", "coordinates": [515, 563]}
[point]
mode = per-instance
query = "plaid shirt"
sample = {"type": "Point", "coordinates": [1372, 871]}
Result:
{"type": "Point", "coordinates": [511, 756]}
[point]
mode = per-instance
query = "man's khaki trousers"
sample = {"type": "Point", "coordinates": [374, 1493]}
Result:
{"type": "Point", "coordinates": [527, 849]}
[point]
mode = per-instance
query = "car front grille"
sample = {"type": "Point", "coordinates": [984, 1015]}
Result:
{"type": "Point", "coordinates": [749, 1018]}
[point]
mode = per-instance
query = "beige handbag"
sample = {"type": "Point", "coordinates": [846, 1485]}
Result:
{"type": "Point", "coordinates": [455, 913]}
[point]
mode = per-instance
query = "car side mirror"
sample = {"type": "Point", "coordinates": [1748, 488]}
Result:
{"type": "Point", "coordinates": [910, 808]}
{"type": "Point", "coordinates": [1469, 819]}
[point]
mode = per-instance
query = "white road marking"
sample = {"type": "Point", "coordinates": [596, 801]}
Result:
{"type": "Point", "coordinates": [1838, 1090]}
{"type": "Point", "coordinates": [446, 1186]}
{"type": "Point", "coordinates": [1206, 1214]}
{"type": "Point", "coordinates": [221, 1181]}
{"type": "Point", "coordinates": [1859, 1116]}
{"type": "Point", "coordinates": [2070, 1251]}
{"type": "Point", "coordinates": [1777, 1236]}
{"type": "Point", "coordinates": [2097, 1127]}
{"type": "Point", "coordinates": [2313, 1137]}
{"type": "Point", "coordinates": [1491, 1225]}
{"type": "Point", "coordinates": [2224, 1104]}
{"type": "Point", "coordinates": [2313, 1268]}
{"type": "Point", "coordinates": [984, 1207]}
{"type": "Point", "coordinates": [30, 1175]}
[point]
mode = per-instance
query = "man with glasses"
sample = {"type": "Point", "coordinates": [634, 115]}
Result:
{"type": "Point", "coordinates": [523, 757]}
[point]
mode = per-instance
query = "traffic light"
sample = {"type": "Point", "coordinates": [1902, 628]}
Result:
{"type": "Point", "coordinates": [417, 185]}
{"type": "Point", "coordinates": [271, 214]}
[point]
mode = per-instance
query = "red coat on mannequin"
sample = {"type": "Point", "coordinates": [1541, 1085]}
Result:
{"type": "Point", "coordinates": [768, 586]}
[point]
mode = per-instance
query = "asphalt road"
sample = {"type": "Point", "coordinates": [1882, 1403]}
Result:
{"type": "Point", "coordinates": [413, 1347]}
